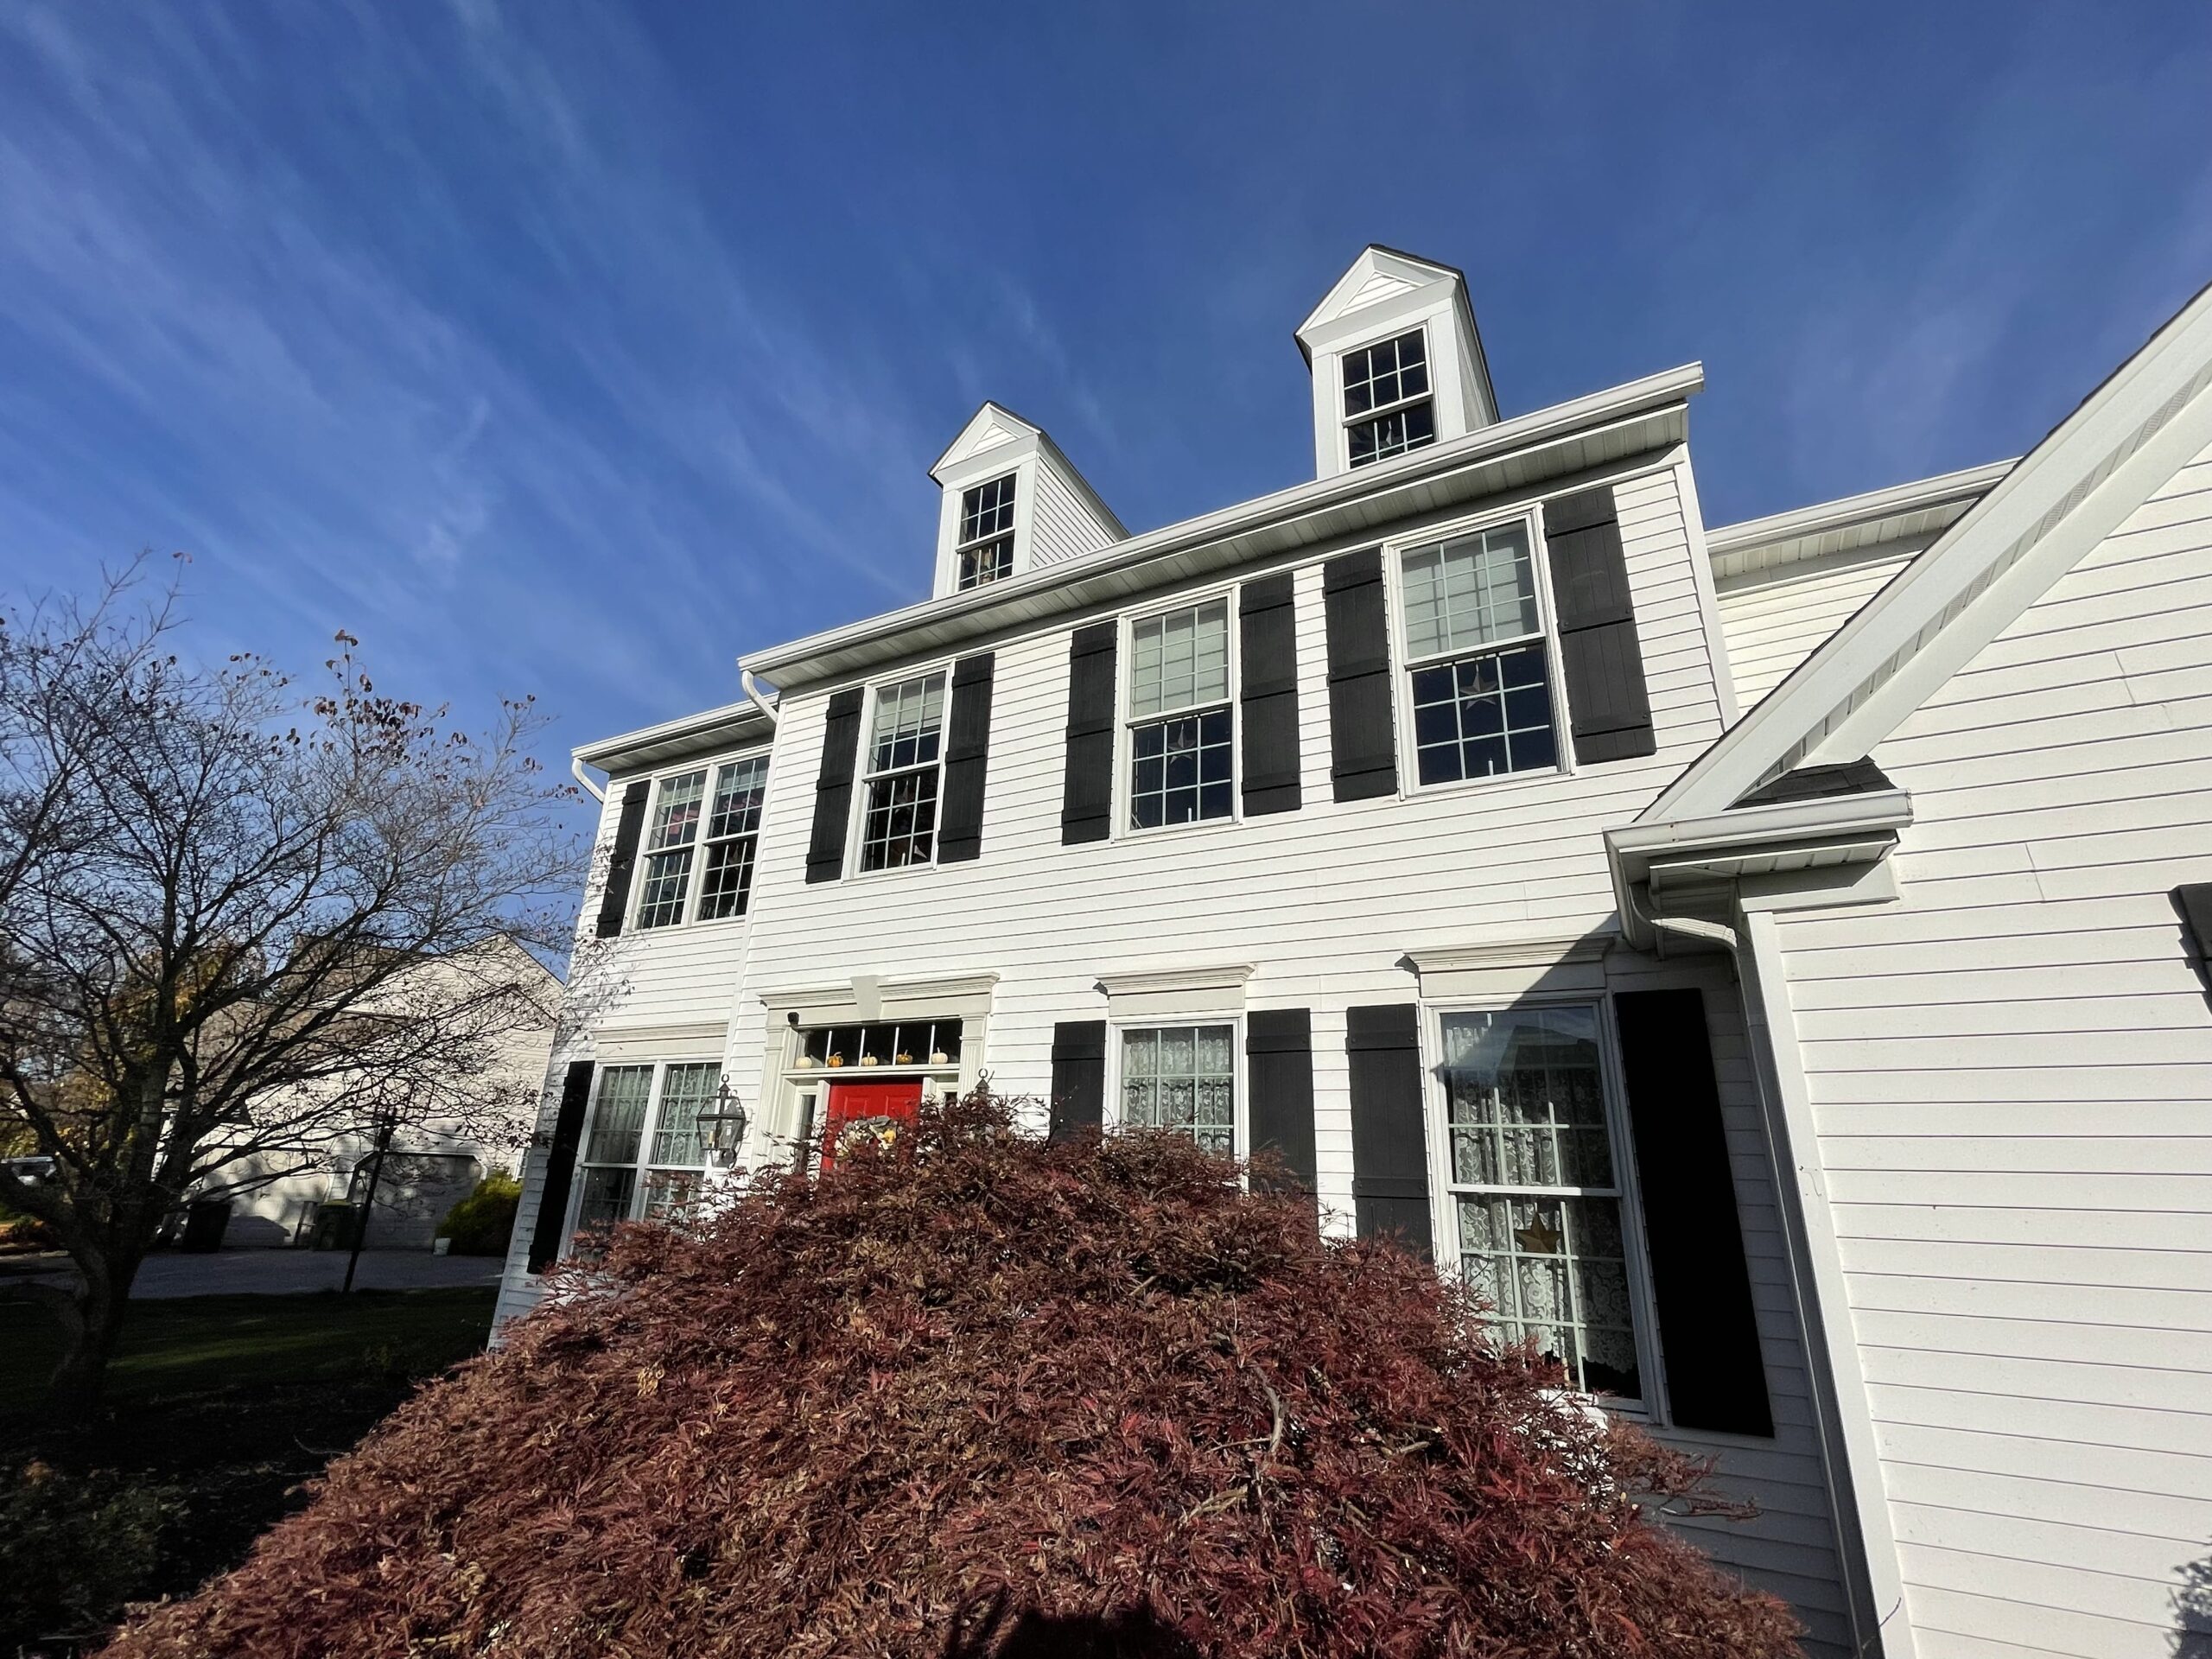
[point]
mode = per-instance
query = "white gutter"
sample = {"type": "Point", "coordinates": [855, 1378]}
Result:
{"type": "Point", "coordinates": [1249, 517]}
{"type": "Point", "coordinates": [576, 771]}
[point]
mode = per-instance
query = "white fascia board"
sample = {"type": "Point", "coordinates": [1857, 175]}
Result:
{"type": "Point", "coordinates": [1879, 516]}
{"type": "Point", "coordinates": [1855, 829]}
{"type": "Point", "coordinates": [990, 413]}
{"type": "Point", "coordinates": [981, 607]}
{"type": "Point", "coordinates": [702, 730]}
{"type": "Point", "coordinates": [2127, 438]}
{"type": "Point", "coordinates": [1895, 501]}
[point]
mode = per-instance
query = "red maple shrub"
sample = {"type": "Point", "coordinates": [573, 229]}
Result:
{"type": "Point", "coordinates": [979, 1395]}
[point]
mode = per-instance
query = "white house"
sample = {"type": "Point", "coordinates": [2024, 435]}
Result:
{"type": "Point", "coordinates": [1761, 959]}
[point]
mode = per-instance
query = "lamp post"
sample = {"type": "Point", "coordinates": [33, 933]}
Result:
{"type": "Point", "coordinates": [721, 1127]}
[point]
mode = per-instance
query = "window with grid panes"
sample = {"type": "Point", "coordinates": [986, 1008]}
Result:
{"type": "Point", "coordinates": [1182, 1077]}
{"type": "Point", "coordinates": [1388, 410]}
{"type": "Point", "coordinates": [610, 1154]}
{"type": "Point", "coordinates": [1476, 661]}
{"type": "Point", "coordinates": [1182, 761]}
{"type": "Point", "coordinates": [733, 837]}
{"type": "Point", "coordinates": [670, 849]}
{"type": "Point", "coordinates": [986, 546]}
{"type": "Point", "coordinates": [1535, 1185]}
{"type": "Point", "coordinates": [676, 1157]}
{"type": "Point", "coordinates": [906, 747]}
{"type": "Point", "coordinates": [643, 1158]}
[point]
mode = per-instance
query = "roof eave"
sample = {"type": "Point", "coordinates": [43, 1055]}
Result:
{"type": "Point", "coordinates": [978, 610]}
{"type": "Point", "coordinates": [672, 740]}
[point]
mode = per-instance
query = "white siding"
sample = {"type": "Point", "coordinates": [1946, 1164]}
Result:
{"type": "Point", "coordinates": [1323, 903]}
{"type": "Point", "coordinates": [1062, 523]}
{"type": "Point", "coordinates": [1772, 625]}
{"type": "Point", "coordinates": [684, 976]}
{"type": "Point", "coordinates": [2009, 1071]}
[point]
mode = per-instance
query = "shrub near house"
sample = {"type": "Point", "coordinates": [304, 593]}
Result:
{"type": "Point", "coordinates": [482, 1222]}
{"type": "Point", "coordinates": [976, 1396]}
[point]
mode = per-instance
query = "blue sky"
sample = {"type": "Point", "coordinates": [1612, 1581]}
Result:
{"type": "Point", "coordinates": [563, 348]}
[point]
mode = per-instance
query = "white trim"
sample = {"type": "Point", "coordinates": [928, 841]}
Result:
{"type": "Point", "coordinates": [1345, 423]}
{"type": "Point", "coordinates": [857, 819]}
{"type": "Point", "coordinates": [1444, 1220]}
{"type": "Point", "coordinates": [621, 1045]}
{"type": "Point", "coordinates": [963, 995]}
{"type": "Point", "coordinates": [609, 753]}
{"type": "Point", "coordinates": [1709, 595]}
{"type": "Point", "coordinates": [1509, 969]}
{"type": "Point", "coordinates": [1530, 512]}
{"type": "Point", "coordinates": [2127, 438]}
{"type": "Point", "coordinates": [1172, 994]}
{"type": "Point", "coordinates": [1229, 595]}
{"type": "Point", "coordinates": [1279, 518]}
{"type": "Point", "coordinates": [1844, 1417]}
{"type": "Point", "coordinates": [695, 874]}
{"type": "Point", "coordinates": [1204, 1014]}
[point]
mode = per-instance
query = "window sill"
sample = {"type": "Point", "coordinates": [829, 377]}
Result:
{"type": "Point", "coordinates": [1133, 833]}
{"type": "Point", "coordinates": [1534, 775]}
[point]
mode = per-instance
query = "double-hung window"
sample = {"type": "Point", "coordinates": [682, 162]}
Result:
{"type": "Point", "coordinates": [1387, 408]}
{"type": "Point", "coordinates": [643, 1158]}
{"type": "Point", "coordinates": [1534, 1175]}
{"type": "Point", "coordinates": [1480, 672]}
{"type": "Point", "coordinates": [732, 825]}
{"type": "Point", "coordinates": [986, 546]}
{"type": "Point", "coordinates": [1181, 729]}
{"type": "Point", "coordinates": [1181, 1077]}
{"type": "Point", "coordinates": [904, 763]}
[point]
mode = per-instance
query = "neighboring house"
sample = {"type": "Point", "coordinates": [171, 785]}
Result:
{"type": "Point", "coordinates": [431, 1165]}
{"type": "Point", "coordinates": [1825, 1083]}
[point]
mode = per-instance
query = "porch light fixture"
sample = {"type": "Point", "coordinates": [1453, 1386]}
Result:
{"type": "Point", "coordinates": [721, 1127]}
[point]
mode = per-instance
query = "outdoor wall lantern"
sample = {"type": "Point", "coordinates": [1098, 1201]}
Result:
{"type": "Point", "coordinates": [721, 1126]}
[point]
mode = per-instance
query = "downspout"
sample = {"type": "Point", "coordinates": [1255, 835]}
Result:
{"type": "Point", "coordinates": [583, 778]}
{"type": "Point", "coordinates": [767, 710]}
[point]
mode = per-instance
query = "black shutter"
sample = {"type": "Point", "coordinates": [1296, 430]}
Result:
{"type": "Point", "coordinates": [1078, 1077]}
{"type": "Point", "coordinates": [1603, 664]}
{"type": "Point", "coordinates": [1390, 1149]}
{"type": "Point", "coordinates": [545, 1239]}
{"type": "Point", "coordinates": [1087, 791]}
{"type": "Point", "coordinates": [1362, 740]}
{"type": "Point", "coordinates": [1716, 1378]}
{"type": "Point", "coordinates": [832, 786]}
{"type": "Point", "coordinates": [2194, 901]}
{"type": "Point", "coordinates": [615, 902]}
{"type": "Point", "coordinates": [1268, 615]}
{"type": "Point", "coordinates": [967, 757]}
{"type": "Point", "coordinates": [1278, 1063]}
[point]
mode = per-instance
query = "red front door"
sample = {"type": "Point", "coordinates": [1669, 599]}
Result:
{"type": "Point", "coordinates": [877, 1109]}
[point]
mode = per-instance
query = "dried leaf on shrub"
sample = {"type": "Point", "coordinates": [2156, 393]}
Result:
{"type": "Point", "coordinates": [986, 1396]}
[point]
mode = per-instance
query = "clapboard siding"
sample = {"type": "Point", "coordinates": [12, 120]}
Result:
{"type": "Point", "coordinates": [1322, 904]}
{"type": "Point", "coordinates": [1062, 524]}
{"type": "Point", "coordinates": [1771, 627]}
{"type": "Point", "coordinates": [687, 975]}
{"type": "Point", "coordinates": [2009, 1071]}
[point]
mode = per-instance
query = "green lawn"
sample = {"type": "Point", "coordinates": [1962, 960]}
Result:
{"type": "Point", "coordinates": [196, 1343]}
{"type": "Point", "coordinates": [220, 1405]}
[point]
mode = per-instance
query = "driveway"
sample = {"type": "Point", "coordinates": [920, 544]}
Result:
{"type": "Point", "coordinates": [276, 1273]}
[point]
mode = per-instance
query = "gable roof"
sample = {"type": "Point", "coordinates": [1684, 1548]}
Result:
{"type": "Point", "coordinates": [987, 429]}
{"type": "Point", "coordinates": [2134, 432]}
{"type": "Point", "coordinates": [1378, 274]}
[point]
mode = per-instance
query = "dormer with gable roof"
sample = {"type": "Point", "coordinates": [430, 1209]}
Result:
{"type": "Point", "coordinates": [1012, 502]}
{"type": "Point", "coordinates": [1397, 363]}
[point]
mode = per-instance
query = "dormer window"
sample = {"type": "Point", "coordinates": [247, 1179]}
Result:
{"type": "Point", "coordinates": [986, 546]}
{"type": "Point", "coordinates": [1388, 410]}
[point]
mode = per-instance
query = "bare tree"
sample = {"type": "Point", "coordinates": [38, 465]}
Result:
{"type": "Point", "coordinates": [239, 922]}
